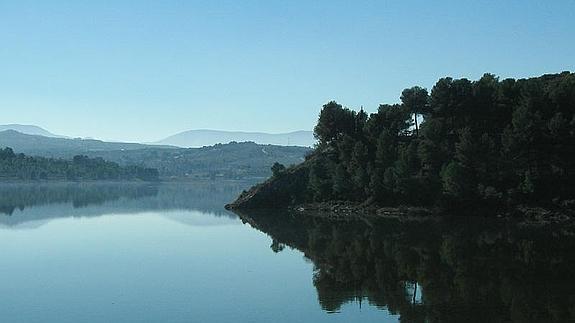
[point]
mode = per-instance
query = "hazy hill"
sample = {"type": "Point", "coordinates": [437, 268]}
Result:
{"type": "Point", "coordinates": [29, 130]}
{"type": "Point", "coordinates": [233, 160]}
{"type": "Point", "coordinates": [40, 145]}
{"type": "Point", "coordinates": [200, 138]}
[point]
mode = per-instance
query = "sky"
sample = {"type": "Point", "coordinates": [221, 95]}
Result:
{"type": "Point", "coordinates": [143, 70]}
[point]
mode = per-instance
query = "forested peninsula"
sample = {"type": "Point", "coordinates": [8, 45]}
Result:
{"type": "Point", "coordinates": [488, 144]}
{"type": "Point", "coordinates": [22, 167]}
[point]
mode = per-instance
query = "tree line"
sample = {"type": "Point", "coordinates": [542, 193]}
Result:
{"type": "Point", "coordinates": [22, 167]}
{"type": "Point", "coordinates": [490, 141]}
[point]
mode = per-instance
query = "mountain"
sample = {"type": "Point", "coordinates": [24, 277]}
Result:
{"type": "Point", "coordinates": [29, 130]}
{"type": "Point", "coordinates": [40, 145]}
{"type": "Point", "coordinates": [203, 137]}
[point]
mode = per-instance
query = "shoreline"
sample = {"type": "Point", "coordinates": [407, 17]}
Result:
{"type": "Point", "coordinates": [349, 211]}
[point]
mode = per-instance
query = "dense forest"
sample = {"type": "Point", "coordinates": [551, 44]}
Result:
{"type": "Point", "coordinates": [22, 167]}
{"type": "Point", "coordinates": [490, 142]}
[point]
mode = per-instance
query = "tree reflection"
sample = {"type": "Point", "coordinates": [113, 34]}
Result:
{"type": "Point", "coordinates": [97, 198]}
{"type": "Point", "coordinates": [478, 270]}
{"type": "Point", "coordinates": [19, 196]}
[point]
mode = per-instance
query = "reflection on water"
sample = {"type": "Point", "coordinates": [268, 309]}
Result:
{"type": "Point", "coordinates": [23, 203]}
{"type": "Point", "coordinates": [470, 270]}
{"type": "Point", "coordinates": [128, 252]}
{"type": "Point", "coordinates": [137, 252]}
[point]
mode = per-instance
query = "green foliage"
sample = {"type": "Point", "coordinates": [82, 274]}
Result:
{"type": "Point", "coordinates": [277, 169]}
{"type": "Point", "coordinates": [509, 141]}
{"type": "Point", "coordinates": [455, 181]}
{"type": "Point", "coordinates": [415, 100]}
{"type": "Point", "coordinates": [335, 121]}
{"type": "Point", "coordinates": [342, 184]}
{"type": "Point", "coordinates": [320, 184]}
{"type": "Point", "coordinates": [21, 167]}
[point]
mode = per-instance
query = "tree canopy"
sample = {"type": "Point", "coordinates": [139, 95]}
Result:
{"type": "Point", "coordinates": [22, 167]}
{"type": "Point", "coordinates": [491, 141]}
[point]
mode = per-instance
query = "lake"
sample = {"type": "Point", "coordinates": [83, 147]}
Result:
{"type": "Point", "coordinates": [111, 252]}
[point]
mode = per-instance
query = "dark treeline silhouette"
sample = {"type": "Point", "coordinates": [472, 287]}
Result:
{"type": "Point", "coordinates": [467, 269]}
{"type": "Point", "coordinates": [497, 142]}
{"type": "Point", "coordinates": [21, 167]}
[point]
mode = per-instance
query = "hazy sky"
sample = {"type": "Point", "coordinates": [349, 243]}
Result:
{"type": "Point", "coordinates": [143, 70]}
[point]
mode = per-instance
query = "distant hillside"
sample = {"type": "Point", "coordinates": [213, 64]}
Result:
{"type": "Point", "coordinates": [81, 168]}
{"type": "Point", "coordinates": [29, 130]}
{"type": "Point", "coordinates": [231, 161]}
{"type": "Point", "coordinates": [200, 138]}
{"type": "Point", "coordinates": [40, 145]}
{"type": "Point", "coordinates": [234, 160]}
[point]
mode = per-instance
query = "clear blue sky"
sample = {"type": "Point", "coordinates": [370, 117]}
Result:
{"type": "Point", "coordinates": [143, 70]}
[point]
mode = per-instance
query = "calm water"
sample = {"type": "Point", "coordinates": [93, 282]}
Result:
{"type": "Point", "coordinates": [171, 253]}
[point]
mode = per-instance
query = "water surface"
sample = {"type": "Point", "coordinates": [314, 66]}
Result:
{"type": "Point", "coordinates": [109, 252]}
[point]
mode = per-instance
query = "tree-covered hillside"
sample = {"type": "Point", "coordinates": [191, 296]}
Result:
{"type": "Point", "coordinates": [490, 142]}
{"type": "Point", "coordinates": [21, 167]}
{"type": "Point", "coordinates": [231, 161]}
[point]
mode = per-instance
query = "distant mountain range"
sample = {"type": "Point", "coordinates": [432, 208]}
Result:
{"type": "Point", "coordinates": [195, 154]}
{"type": "Point", "coordinates": [29, 130]}
{"type": "Point", "coordinates": [203, 137]}
{"type": "Point", "coordinates": [229, 161]}
{"type": "Point", "coordinates": [186, 139]}
{"type": "Point", "coordinates": [47, 146]}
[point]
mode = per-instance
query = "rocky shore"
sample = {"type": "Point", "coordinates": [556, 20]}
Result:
{"type": "Point", "coordinates": [346, 209]}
